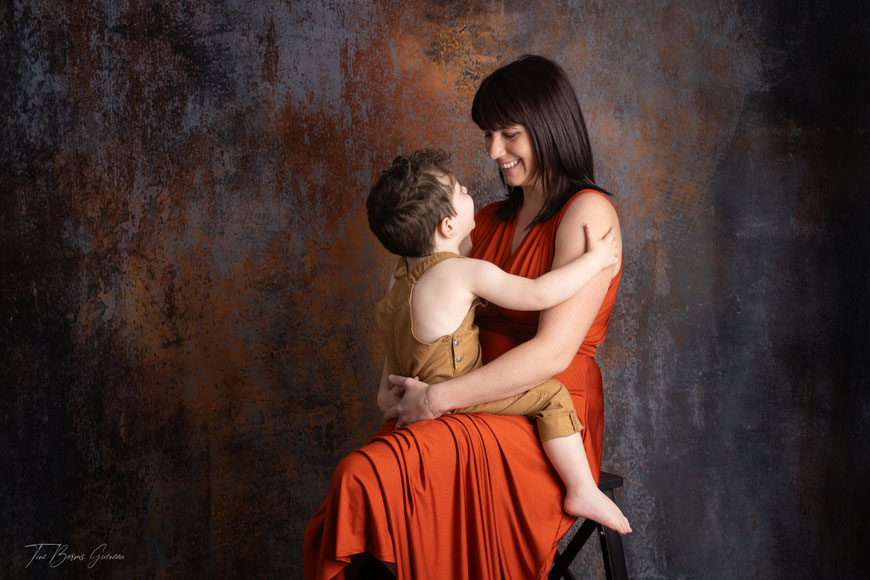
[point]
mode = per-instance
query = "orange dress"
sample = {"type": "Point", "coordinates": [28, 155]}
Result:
{"type": "Point", "coordinates": [466, 496]}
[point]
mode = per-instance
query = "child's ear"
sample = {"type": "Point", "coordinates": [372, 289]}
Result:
{"type": "Point", "coordinates": [446, 228]}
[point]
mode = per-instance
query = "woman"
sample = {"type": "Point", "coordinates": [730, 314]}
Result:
{"type": "Point", "coordinates": [473, 496]}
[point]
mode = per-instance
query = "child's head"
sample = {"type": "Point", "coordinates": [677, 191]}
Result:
{"type": "Point", "coordinates": [409, 201]}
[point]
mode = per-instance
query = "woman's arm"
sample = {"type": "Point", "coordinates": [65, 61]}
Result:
{"type": "Point", "coordinates": [561, 331]}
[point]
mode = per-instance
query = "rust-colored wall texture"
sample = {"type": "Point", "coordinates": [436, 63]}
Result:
{"type": "Point", "coordinates": [187, 274]}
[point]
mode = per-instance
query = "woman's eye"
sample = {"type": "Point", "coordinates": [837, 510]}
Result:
{"type": "Point", "coordinates": [510, 135]}
{"type": "Point", "coordinates": [487, 135]}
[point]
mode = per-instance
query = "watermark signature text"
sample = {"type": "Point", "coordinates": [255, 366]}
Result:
{"type": "Point", "coordinates": [56, 554]}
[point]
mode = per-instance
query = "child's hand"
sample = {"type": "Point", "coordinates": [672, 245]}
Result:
{"type": "Point", "coordinates": [604, 249]}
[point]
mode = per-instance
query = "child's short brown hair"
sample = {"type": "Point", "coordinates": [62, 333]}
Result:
{"type": "Point", "coordinates": [409, 200]}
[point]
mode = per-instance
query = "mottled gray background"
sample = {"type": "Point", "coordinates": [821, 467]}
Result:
{"type": "Point", "coordinates": [187, 348]}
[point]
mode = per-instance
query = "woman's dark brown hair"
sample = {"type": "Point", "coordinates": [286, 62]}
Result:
{"type": "Point", "coordinates": [533, 91]}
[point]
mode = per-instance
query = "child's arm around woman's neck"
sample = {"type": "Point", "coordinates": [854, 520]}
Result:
{"type": "Point", "coordinates": [443, 295]}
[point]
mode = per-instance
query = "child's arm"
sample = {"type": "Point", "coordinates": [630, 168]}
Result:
{"type": "Point", "coordinates": [517, 293]}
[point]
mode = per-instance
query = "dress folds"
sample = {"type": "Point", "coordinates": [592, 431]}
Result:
{"type": "Point", "coordinates": [466, 496]}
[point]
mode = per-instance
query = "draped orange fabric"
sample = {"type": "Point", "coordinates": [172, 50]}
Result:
{"type": "Point", "coordinates": [466, 496]}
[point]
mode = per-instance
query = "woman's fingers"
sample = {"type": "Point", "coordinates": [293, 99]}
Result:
{"type": "Point", "coordinates": [405, 382]}
{"type": "Point", "coordinates": [392, 413]}
{"type": "Point", "coordinates": [412, 408]}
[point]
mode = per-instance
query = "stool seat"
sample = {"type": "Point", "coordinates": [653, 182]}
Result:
{"type": "Point", "coordinates": [611, 541]}
{"type": "Point", "coordinates": [609, 481]}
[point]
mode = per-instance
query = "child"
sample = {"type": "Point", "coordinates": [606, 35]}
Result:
{"type": "Point", "coordinates": [419, 211]}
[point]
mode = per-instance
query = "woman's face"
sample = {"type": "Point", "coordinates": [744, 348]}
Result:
{"type": "Point", "coordinates": [511, 147]}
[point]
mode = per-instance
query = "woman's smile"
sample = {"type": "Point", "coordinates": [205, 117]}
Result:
{"type": "Point", "coordinates": [512, 149]}
{"type": "Point", "coordinates": [513, 172]}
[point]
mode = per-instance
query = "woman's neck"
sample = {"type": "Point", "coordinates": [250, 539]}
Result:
{"type": "Point", "coordinates": [533, 202]}
{"type": "Point", "coordinates": [533, 195]}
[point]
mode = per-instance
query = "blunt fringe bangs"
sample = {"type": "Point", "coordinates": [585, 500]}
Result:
{"type": "Point", "coordinates": [534, 91]}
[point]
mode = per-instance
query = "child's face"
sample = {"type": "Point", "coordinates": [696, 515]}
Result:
{"type": "Point", "coordinates": [463, 205]}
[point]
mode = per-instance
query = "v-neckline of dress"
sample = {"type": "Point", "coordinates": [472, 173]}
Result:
{"type": "Point", "coordinates": [514, 223]}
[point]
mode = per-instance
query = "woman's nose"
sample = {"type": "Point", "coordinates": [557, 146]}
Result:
{"type": "Point", "coordinates": [495, 147]}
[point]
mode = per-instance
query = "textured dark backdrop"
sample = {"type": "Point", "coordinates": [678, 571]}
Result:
{"type": "Point", "coordinates": [187, 274]}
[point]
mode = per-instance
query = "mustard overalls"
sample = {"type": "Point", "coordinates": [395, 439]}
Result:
{"type": "Point", "coordinates": [455, 354]}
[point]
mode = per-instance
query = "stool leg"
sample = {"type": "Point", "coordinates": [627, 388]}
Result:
{"type": "Point", "coordinates": [611, 550]}
{"type": "Point", "coordinates": [555, 574]}
{"type": "Point", "coordinates": [560, 570]}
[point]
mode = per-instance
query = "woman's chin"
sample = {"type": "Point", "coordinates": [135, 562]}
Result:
{"type": "Point", "coordinates": [515, 176]}
{"type": "Point", "coordinates": [512, 180]}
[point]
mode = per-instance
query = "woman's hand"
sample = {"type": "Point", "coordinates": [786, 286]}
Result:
{"type": "Point", "coordinates": [413, 406]}
{"type": "Point", "coordinates": [389, 397]}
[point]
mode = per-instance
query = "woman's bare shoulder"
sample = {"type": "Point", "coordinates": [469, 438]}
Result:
{"type": "Point", "coordinates": [590, 207]}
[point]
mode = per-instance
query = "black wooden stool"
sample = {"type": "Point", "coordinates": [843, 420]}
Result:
{"type": "Point", "coordinates": [611, 542]}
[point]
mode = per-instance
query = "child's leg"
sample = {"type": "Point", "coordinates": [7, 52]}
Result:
{"type": "Point", "coordinates": [583, 499]}
{"type": "Point", "coordinates": [551, 406]}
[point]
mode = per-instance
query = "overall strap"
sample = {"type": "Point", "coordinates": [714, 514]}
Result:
{"type": "Point", "coordinates": [428, 263]}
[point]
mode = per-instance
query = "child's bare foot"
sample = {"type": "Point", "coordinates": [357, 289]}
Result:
{"type": "Point", "coordinates": [589, 502]}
